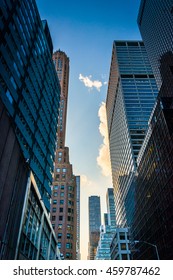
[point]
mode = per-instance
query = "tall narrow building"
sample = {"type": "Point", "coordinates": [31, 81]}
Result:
{"type": "Point", "coordinates": [94, 225]}
{"type": "Point", "coordinates": [64, 193]}
{"type": "Point", "coordinates": [131, 95]}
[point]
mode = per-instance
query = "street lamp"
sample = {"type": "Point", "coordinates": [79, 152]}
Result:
{"type": "Point", "coordinates": [153, 245]}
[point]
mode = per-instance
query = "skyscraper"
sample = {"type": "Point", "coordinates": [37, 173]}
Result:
{"type": "Point", "coordinates": [111, 207]}
{"type": "Point", "coordinates": [108, 230]}
{"type": "Point", "coordinates": [155, 24]}
{"type": "Point", "coordinates": [64, 193]}
{"type": "Point", "coordinates": [131, 95]}
{"type": "Point", "coordinates": [153, 215]}
{"type": "Point", "coordinates": [29, 87]}
{"type": "Point", "coordinates": [94, 225]}
{"type": "Point", "coordinates": [30, 94]}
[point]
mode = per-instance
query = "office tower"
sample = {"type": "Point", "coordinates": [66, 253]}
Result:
{"type": "Point", "coordinates": [78, 217]}
{"type": "Point", "coordinates": [131, 95]}
{"type": "Point", "coordinates": [107, 231]}
{"type": "Point", "coordinates": [106, 219]}
{"type": "Point", "coordinates": [64, 200]}
{"type": "Point", "coordinates": [111, 207]}
{"type": "Point", "coordinates": [30, 88]}
{"type": "Point", "coordinates": [153, 217]}
{"type": "Point", "coordinates": [30, 94]}
{"type": "Point", "coordinates": [120, 245]}
{"type": "Point", "coordinates": [94, 225]}
{"type": "Point", "coordinates": [155, 24]}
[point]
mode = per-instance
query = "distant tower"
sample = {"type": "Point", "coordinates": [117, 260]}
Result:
{"type": "Point", "coordinates": [111, 207]}
{"type": "Point", "coordinates": [94, 225]}
{"type": "Point", "coordinates": [64, 207]}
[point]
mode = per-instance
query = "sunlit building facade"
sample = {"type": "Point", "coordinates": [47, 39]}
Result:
{"type": "Point", "coordinates": [131, 95]}
{"type": "Point", "coordinates": [64, 190]}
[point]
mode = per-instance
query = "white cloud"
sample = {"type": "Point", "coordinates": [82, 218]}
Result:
{"type": "Point", "coordinates": [89, 83]}
{"type": "Point", "coordinates": [103, 159]}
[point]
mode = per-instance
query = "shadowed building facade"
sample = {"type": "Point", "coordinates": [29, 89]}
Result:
{"type": "Point", "coordinates": [94, 225]}
{"type": "Point", "coordinates": [64, 190]}
{"type": "Point", "coordinates": [153, 219]}
{"type": "Point", "coordinates": [29, 102]}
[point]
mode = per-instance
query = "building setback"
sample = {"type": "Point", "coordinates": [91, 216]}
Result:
{"type": "Point", "coordinates": [94, 225]}
{"type": "Point", "coordinates": [64, 190]}
{"type": "Point", "coordinates": [29, 87]}
{"type": "Point", "coordinates": [131, 95]}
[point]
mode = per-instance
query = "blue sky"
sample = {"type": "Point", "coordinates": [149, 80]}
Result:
{"type": "Point", "coordinates": [85, 30]}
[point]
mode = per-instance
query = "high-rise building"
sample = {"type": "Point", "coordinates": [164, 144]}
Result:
{"type": "Point", "coordinates": [120, 245]}
{"type": "Point", "coordinates": [29, 101]}
{"type": "Point", "coordinates": [107, 231]}
{"type": "Point", "coordinates": [94, 225]}
{"type": "Point", "coordinates": [29, 87]}
{"type": "Point", "coordinates": [131, 95]}
{"type": "Point", "coordinates": [78, 217]}
{"type": "Point", "coordinates": [111, 207]}
{"type": "Point", "coordinates": [64, 192]}
{"type": "Point", "coordinates": [153, 215]}
{"type": "Point", "coordinates": [155, 24]}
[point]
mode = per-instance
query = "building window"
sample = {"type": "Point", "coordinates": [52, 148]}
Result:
{"type": "Point", "coordinates": [58, 170]}
{"type": "Point", "coordinates": [55, 187]}
{"type": "Point", "coordinates": [54, 201]}
{"type": "Point", "coordinates": [55, 194]}
{"type": "Point", "coordinates": [60, 218]}
{"type": "Point", "coordinates": [123, 246]}
{"type": "Point", "coordinates": [53, 218]}
{"type": "Point", "coordinates": [64, 170]}
{"type": "Point", "coordinates": [59, 226]}
{"type": "Point", "coordinates": [62, 187]}
{"type": "Point", "coordinates": [61, 201]}
{"type": "Point", "coordinates": [59, 235]}
{"type": "Point", "coordinates": [61, 209]}
{"type": "Point", "coordinates": [124, 257]}
{"type": "Point", "coordinates": [10, 98]}
{"type": "Point", "coordinates": [62, 194]}
{"type": "Point", "coordinates": [69, 245]}
{"type": "Point", "coordinates": [59, 245]}
{"type": "Point", "coordinates": [54, 209]}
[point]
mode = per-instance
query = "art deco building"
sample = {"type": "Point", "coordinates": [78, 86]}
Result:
{"type": "Point", "coordinates": [94, 225]}
{"type": "Point", "coordinates": [64, 191]}
{"type": "Point", "coordinates": [131, 95]}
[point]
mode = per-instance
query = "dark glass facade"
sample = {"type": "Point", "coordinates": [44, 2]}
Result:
{"type": "Point", "coordinates": [155, 23]}
{"type": "Point", "coordinates": [29, 87]}
{"type": "Point", "coordinates": [94, 225]}
{"type": "Point", "coordinates": [131, 95]}
{"type": "Point", "coordinates": [153, 215]}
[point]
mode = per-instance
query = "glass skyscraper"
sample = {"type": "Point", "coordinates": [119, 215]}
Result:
{"type": "Point", "coordinates": [155, 21]}
{"type": "Point", "coordinates": [153, 215]}
{"type": "Point", "coordinates": [29, 87]}
{"type": "Point", "coordinates": [94, 225]}
{"type": "Point", "coordinates": [132, 91]}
